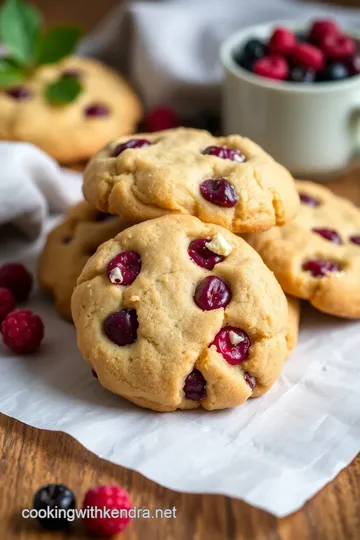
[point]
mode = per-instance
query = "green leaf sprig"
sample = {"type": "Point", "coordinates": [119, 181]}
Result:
{"type": "Point", "coordinates": [28, 46]}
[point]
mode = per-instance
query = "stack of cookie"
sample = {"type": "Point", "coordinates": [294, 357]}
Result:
{"type": "Point", "coordinates": [178, 311]}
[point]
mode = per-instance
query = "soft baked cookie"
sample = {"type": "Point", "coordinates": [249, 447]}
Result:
{"type": "Point", "coordinates": [69, 246]}
{"type": "Point", "coordinates": [174, 313]}
{"type": "Point", "coordinates": [317, 256]}
{"type": "Point", "coordinates": [106, 108]}
{"type": "Point", "coordinates": [292, 333]}
{"type": "Point", "coordinates": [229, 181]}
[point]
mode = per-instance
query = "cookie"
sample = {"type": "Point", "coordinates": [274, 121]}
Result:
{"type": "Point", "coordinates": [69, 246]}
{"type": "Point", "coordinates": [292, 333]}
{"type": "Point", "coordinates": [174, 313]}
{"type": "Point", "coordinates": [106, 108]}
{"type": "Point", "coordinates": [317, 256]}
{"type": "Point", "coordinates": [228, 181]}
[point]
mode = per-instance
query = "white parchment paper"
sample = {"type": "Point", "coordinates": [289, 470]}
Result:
{"type": "Point", "coordinates": [274, 452]}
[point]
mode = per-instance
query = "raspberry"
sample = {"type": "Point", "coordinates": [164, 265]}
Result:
{"type": "Point", "coordinates": [308, 56]}
{"type": "Point", "coordinates": [272, 67]}
{"type": "Point", "coordinates": [111, 498]}
{"type": "Point", "coordinates": [17, 279]}
{"type": "Point", "coordinates": [282, 41]}
{"type": "Point", "coordinates": [337, 46]}
{"type": "Point", "coordinates": [161, 118]}
{"type": "Point", "coordinates": [7, 302]}
{"type": "Point", "coordinates": [321, 28]}
{"type": "Point", "coordinates": [22, 331]}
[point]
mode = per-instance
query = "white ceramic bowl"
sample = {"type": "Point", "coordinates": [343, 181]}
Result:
{"type": "Point", "coordinates": [313, 129]}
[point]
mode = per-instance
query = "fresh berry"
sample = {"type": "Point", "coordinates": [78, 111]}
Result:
{"type": "Point", "coordinates": [244, 62]}
{"type": "Point", "coordinates": [272, 67]}
{"type": "Point", "coordinates": [124, 268]}
{"type": "Point", "coordinates": [337, 46]}
{"type": "Point", "coordinates": [282, 41]}
{"type": "Point", "coordinates": [225, 153]}
{"type": "Point", "coordinates": [212, 293]}
{"type": "Point", "coordinates": [201, 255]}
{"type": "Point", "coordinates": [121, 327]}
{"type": "Point", "coordinates": [161, 118]}
{"type": "Point", "coordinates": [233, 343]}
{"type": "Point", "coordinates": [250, 380]}
{"type": "Point", "coordinates": [333, 72]}
{"type": "Point", "coordinates": [132, 143]}
{"type": "Point", "coordinates": [51, 497]}
{"type": "Point", "coordinates": [96, 110]}
{"type": "Point", "coordinates": [355, 239]}
{"type": "Point", "coordinates": [195, 386]}
{"type": "Point", "coordinates": [307, 199]}
{"type": "Point", "coordinates": [328, 234]}
{"type": "Point", "coordinates": [7, 302]}
{"type": "Point", "coordinates": [116, 501]}
{"type": "Point", "coordinates": [17, 279]}
{"type": "Point", "coordinates": [320, 267]}
{"type": "Point", "coordinates": [19, 92]}
{"type": "Point", "coordinates": [353, 64]}
{"type": "Point", "coordinates": [308, 56]}
{"type": "Point", "coordinates": [302, 75]}
{"type": "Point", "coordinates": [219, 191]}
{"type": "Point", "coordinates": [253, 50]}
{"type": "Point", "coordinates": [301, 37]}
{"type": "Point", "coordinates": [22, 331]}
{"type": "Point", "coordinates": [322, 28]}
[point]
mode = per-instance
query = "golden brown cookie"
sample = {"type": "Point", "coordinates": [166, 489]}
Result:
{"type": "Point", "coordinates": [69, 246]}
{"type": "Point", "coordinates": [106, 108]}
{"type": "Point", "coordinates": [174, 313]}
{"type": "Point", "coordinates": [317, 256]}
{"type": "Point", "coordinates": [293, 321]}
{"type": "Point", "coordinates": [229, 181]}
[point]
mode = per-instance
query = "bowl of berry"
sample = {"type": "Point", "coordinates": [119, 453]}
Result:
{"type": "Point", "coordinates": [295, 89]}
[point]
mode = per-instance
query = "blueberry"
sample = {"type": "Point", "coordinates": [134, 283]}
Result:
{"type": "Point", "coordinates": [333, 72]}
{"type": "Point", "coordinates": [302, 75]}
{"type": "Point", "coordinates": [243, 61]}
{"type": "Point", "coordinates": [254, 49]}
{"type": "Point", "coordinates": [51, 497]}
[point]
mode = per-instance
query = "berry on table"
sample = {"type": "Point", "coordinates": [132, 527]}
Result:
{"type": "Point", "coordinates": [308, 56]}
{"type": "Point", "coordinates": [22, 331]}
{"type": "Point", "coordinates": [337, 46]}
{"type": "Point", "coordinates": [51, 497]}
{"type": "Point", "coordinates": [7, 302]}
{"type": "Point", "coordinates": [282, 41]}
{"type": "Point", "coordinates": [321, 28]}
{"type": "Point", "coordinates": [273, 67]}
{"type": "Point", "coordinates": [112, 498]}
{"type": "Point", "coordinates": [161, 118]}
{"type": "Point", "coordinates": [333, 72]}
{"type": "Point", "coordinates": [16, 278]}
{"type": "Point", "coordinates": [253, 50]}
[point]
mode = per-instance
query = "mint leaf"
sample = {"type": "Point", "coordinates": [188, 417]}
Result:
{"type": "Point", "coordinates": [58, 43]}
{"type": "Point", "coordinates": [20, 29]}
{"type": "Point", "coordinates": [63, 91]}
{"type": "Point", "coordinates": [10, 74]}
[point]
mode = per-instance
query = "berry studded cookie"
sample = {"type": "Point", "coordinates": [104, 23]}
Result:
{"type": "Point", "coordinates": [317, 256]}
{"type": "Point", "coordinates": [106, 108]}
{"type": "Point", "coordinates": [292, 333]}
{"type": "Point", "coordinates": [174, 313]}
{"type": "Point", "coordinates": [229, 181]}
{"type": "Point", "coordinates": [69, 246]}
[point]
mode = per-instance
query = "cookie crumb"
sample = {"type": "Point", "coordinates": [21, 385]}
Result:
{"type": "Point", "coordinates": [219, 245]}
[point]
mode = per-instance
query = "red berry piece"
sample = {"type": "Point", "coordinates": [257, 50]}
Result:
{"type": "Point", "coordinates": [7, 302]}
{"type": "Point", "coordinates": [250, 380]}
{"type": "Point", "coordinates": [233, 343]}
{"type": "Point", "coordinates": [124, 268]}
{"type": "Point", "coordinates": [272, 67]}
{"type": "Point", "coordinates": [219, 191]}
{"type": "Point", "coordinates": [116, 501]}
{"type": "Point", "coordinates": [22, 331]}
{"type": "Point", "coordinates": [320, 267]}
{"type": "Point", "coordinates": [96, 110]}
{"type": "Point", "coordinates": [201, 255]}
{"type": "Point", "coordinates": [282, 41]}
{"type": "Point", "coordinates": [321, 28]}
{"type": "Point", "coordinates": [328, 234]}
{"type": "Point", "coordinates": [337, 46]}
{"type": "Point", "coordinates": [223, 152]}
{"type": "Point", "coordinates": [121, 327]}
{"type": "Point", "coordinates": [195, 386]}
{"type": "Point", "coordinates": [353, 64]}
{"type": "Point", "coordinates": [161, 118]}
{"type": "Point", "coordinates": [19, 92]}
{"type": "Point", "coordinates": [309, 200]}
{"type": "Point", "coordinates": [355, 239]}
{"type": "Point", "coordinates": [308, 56]}
{"type": "Point", "coordinates": [212, 293]}
{"type": "Point", "coordinates": [17, 279]}
{"type": "Point", "coordinates": [132, 143]}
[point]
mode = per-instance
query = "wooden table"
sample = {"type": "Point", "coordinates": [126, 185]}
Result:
{"type": "Point", "coordinates": [31, 458]}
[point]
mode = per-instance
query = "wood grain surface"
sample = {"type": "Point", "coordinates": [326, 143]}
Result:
{"type": "Point", "coordinates": [31, 458]}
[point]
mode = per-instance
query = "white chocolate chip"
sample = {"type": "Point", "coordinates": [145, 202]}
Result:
{"type": "Point", "coordinates": [235, 339]}
{"type": "Point", "coordinates": [219, 245]}
{"type": "Point", "coordinates": [116, 276]}
{"type": "Point", "coordinates": [135, 298]}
